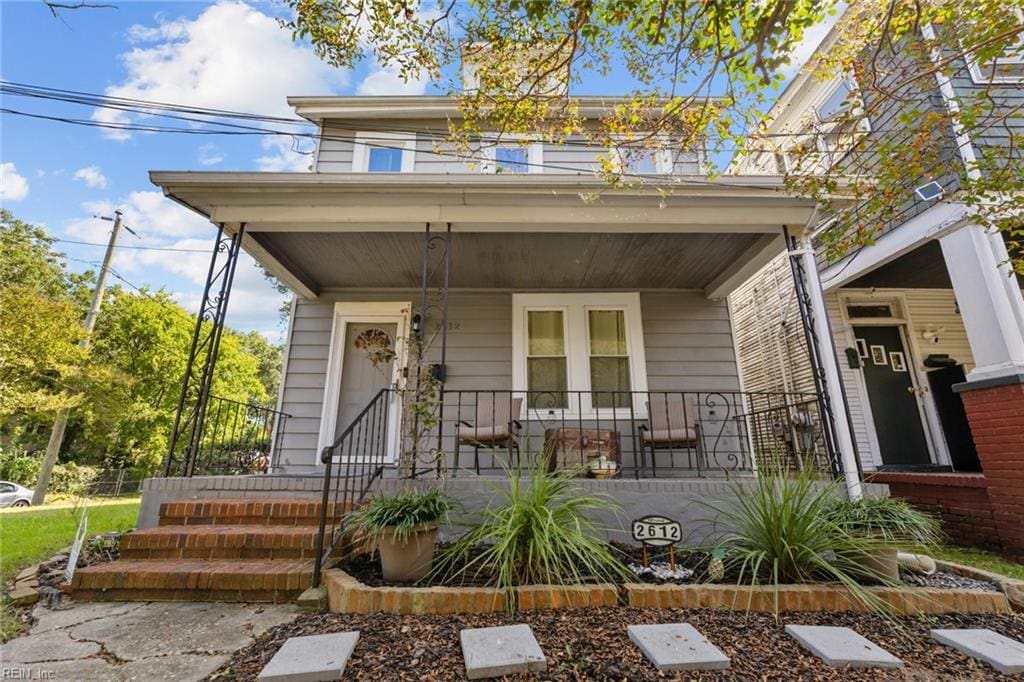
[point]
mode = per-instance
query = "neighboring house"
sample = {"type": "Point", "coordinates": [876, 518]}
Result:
{"type": "Point", "coordinates": [928, 322]}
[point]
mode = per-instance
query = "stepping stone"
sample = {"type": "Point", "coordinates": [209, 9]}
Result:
{"type": "Point", "coordinates": [1002, 653]}
{"type": "Point", "coordinates": [494, 652]}
{"type": "Point", "coordinates": [677, 646]}
{"type": "Point", "coordinates": [316, 658]}
{"type": "Point", "coordinates": [840, 647]}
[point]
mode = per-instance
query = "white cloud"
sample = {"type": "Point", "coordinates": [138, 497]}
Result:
{"type": "Point", "coordinates": [386, 81]}
{"type": "Point", "coordinates": [229, 57]}
{"type": "Point", "coordinates": [92, 176]}
{"type": "Point", "coordinates": [210, 155]}
{"type": "Point", "coordinates": [287, 154]}
{"type": "Point", "coordinates": [150, 214]}
{"type": "Point", "coordinates": [13, 187]}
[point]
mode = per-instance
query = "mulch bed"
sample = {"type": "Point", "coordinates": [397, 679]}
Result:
{"type": "Point", "coordinates": [591, 644]}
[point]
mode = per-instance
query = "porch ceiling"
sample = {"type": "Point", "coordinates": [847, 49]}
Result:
{"type": "Point", "coordinates": [513, 260]}
{"type": "Point", "coordinates": [322, 230]}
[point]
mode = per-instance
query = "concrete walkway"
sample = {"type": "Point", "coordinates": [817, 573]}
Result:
{"type": "Point", "coordinates": [136, 641]}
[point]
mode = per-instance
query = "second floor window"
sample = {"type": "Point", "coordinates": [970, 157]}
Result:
{"type": "Point", "coordinates": [379, 152]}
{"type": "Point", "coordinates": [511, 160]}
{"type": "Point", "coordinates": [511, 156]}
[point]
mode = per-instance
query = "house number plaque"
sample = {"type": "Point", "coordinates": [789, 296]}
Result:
{"type": "Point", "coordinates": [658, 531]}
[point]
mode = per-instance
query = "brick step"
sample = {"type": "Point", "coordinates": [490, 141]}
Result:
{"type": "Point", "coordinates": [237, 512]}
{"type": "Point", "coordinates": [221, 542]}
{"type": "Point", "coordinates": [267, 580]}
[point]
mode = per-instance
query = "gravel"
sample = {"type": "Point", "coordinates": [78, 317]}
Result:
{"type": "Point", "coordinates": [948, 581]}
{"type": "Point", "coordinates": [592, 644]}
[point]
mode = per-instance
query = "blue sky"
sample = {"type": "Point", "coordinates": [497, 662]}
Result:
{"type": "Point", "coordinates": [227, 55]}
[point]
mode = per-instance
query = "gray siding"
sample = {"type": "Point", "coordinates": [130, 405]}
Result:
{"type": "Point", "coordinates": [687, 339]}
{"type": "Point", "coordinates": [336, 143]}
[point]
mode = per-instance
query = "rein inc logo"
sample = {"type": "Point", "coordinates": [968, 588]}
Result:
{"type": "Point", "coordinates": [26, 673]}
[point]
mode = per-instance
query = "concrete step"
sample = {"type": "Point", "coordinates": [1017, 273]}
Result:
{"type": "Point", "coordinates": [221, 542]}
{"type": "Point", "coordinates": [240, 511]}
{"type": "Point", "coordinates": [252, 580]}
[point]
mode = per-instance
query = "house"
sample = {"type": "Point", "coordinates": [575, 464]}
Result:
{"type": "Point", "coordinates": [455, 312]}
{"type": "Point", "coordinates": [928, 321]}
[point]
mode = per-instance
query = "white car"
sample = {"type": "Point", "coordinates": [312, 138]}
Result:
{"type": "Point", "coordinates": [14, 495]}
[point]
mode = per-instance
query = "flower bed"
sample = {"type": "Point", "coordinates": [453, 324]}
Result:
{"type": "Point", "coordinates": [346, 594]}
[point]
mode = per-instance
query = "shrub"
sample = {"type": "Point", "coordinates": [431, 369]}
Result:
{"type": "Point", "coordinates": [536, 532]}
{"type": "Point", "coordinates": [402, 512]}
{"type": "Point", "coordinates": [887, 520]}
{"type": "Point", "coordinates": [780, 530]}
{"type": "Point", "coordinates": [71, 479]}
{"type": "Point", "coordinates": [22, 469]}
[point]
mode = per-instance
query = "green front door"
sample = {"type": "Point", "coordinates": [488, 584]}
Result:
{"type": "Point", "coordinates": [892, 396]}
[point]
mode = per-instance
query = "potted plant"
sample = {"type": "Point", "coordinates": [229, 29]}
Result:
{"type": "Point", "coordinates": [885, 523]}
{"type": "Point", "coordinates": [404, 527]}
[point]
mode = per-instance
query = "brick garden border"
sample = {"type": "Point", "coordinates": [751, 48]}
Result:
{"type": "Point", "coordinates": [346, 594]}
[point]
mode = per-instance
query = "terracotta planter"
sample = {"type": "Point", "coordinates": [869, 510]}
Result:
{"type": "Point", "coordinates": [408, 559]}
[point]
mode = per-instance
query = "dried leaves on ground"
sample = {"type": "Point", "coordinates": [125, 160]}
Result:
{"type": "Point", "coordinates": [591, 644]}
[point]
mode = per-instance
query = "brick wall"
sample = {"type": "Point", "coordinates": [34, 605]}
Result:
{"type": "Point", "coordinates": [996, 415]}
{"type": "Point", "coordinates": [960, 501]}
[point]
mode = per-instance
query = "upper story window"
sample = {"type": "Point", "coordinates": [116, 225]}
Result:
{"type": "Point", "coordinates": [511, 156]}
{"type": "Point", "coordinates": [1007, 67]}
{"type": "Point", "coordinates": [379, 152]}
{"type": "Point", "coordinates": [635, 159]}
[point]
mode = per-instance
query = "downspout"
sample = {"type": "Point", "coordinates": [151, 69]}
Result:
{"type": "Point", "coordinates": [829, 363]}
{"type": "Point", "coordinates": [965, 147]}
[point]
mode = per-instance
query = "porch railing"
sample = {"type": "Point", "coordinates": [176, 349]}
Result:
{"type": "Point", "coordinates": [647, 433]}
{"type": "Point", "coordinates": [351, 465]}
{"type": "Point", "coordinates": [236, 438]}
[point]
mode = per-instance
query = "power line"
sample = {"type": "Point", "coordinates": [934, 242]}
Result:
{"type": "Point", "coordinates": [138, 248]}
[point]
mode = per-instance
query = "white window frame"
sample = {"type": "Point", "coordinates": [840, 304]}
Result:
{"type": "Point", "coordinates": [381, 312]}
{"type": "Point", "coordinates": [489, 149]}
{"type": "Point", "coordinates": [577, 339]}
{"type": "Point", "coordinates": [975, 68]}
{"type": "Point", "coordinates": [663, 158]}
{"type": "Point", "coordinates": [366, 139]}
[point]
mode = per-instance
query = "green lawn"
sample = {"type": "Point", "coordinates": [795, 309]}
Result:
{"type": "Point", "coordinates": [981, 559]}
{"type": "Point", "coordinates": [35, 534]}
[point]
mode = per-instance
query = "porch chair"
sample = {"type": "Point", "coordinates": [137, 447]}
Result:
{"type": "Point", "coordinates": [673, 425]}
{"type": "Point", "coordinates": [495, 426]}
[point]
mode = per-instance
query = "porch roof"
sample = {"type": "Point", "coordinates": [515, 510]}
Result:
{"type": "Point", "coordinates": [317, 231]}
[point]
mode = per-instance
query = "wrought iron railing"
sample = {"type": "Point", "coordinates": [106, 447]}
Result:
{"type": "Point", "coordinates": [351, 465]}
{"type": "Point", "coordinates": [645, 433]}
{"type": "Point", "coordinates": [234, 438]}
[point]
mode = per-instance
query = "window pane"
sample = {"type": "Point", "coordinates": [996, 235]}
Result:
{"type": "Point", "coordinates": [384, 160]}
{"type": "Point", "coordinates": [510, 160]}
{"type": "Point", "coordinates": [609, 380]}
{"type": "Point", "coordinates": [544, 330]}
{"type": "Point", "coordinates": [546, 381]}
{"type": "Point", "coordinates": [607, 332]}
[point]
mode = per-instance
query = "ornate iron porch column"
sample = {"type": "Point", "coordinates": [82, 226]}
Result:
{"type": "Point", "coordinates": [433, 307]}
{"type": "Point", "coordinates": [186, 437]}
{"type": "Point", "coordinates": [839, 443]}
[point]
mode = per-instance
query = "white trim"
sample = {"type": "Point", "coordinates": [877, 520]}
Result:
{"type": "Point", "coordinates": [576, 306]}
{"type": "Point", "coordinates": [1013, 59]}
{"type": "Point", "coordinates": [488, 150]}
{"type": "Point", "coordinates": [368, 311]}
{"type": "Point", "coordinates": [361, 159]}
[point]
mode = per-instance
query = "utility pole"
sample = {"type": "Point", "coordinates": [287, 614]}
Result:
{"type": "Point", "coordinates": [61, 422]}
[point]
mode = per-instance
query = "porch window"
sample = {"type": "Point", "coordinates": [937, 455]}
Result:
{"type": "Point", "coordinates": [546, 363]}
{"type": "Point", "coordinates": [579, 352]}
{"type": "Point", "coordinates": [609, 358]}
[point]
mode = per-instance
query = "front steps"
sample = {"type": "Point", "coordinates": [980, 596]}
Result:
{"type": "Point", "coordinates": [257, 550]}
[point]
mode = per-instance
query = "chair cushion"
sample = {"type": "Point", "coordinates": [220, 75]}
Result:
{"type": "Point", "coordinates": [483, 434]}
{"type": "Point", "coordinates": [673, 435]}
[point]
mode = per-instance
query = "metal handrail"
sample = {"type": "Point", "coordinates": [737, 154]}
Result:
{"type": "Point", "coordinates": [367, 436]}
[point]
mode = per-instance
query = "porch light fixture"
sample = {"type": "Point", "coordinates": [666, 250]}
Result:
{"type": "Point", "coordinates": [416, 324]}
{"type": "Point", "coordinates": [930, 191]}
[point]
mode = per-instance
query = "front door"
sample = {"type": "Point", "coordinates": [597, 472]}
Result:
{"type": "Point", "coordinates": [361, 378]}
{"type": "Point", "coordinates": [892, 397]}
